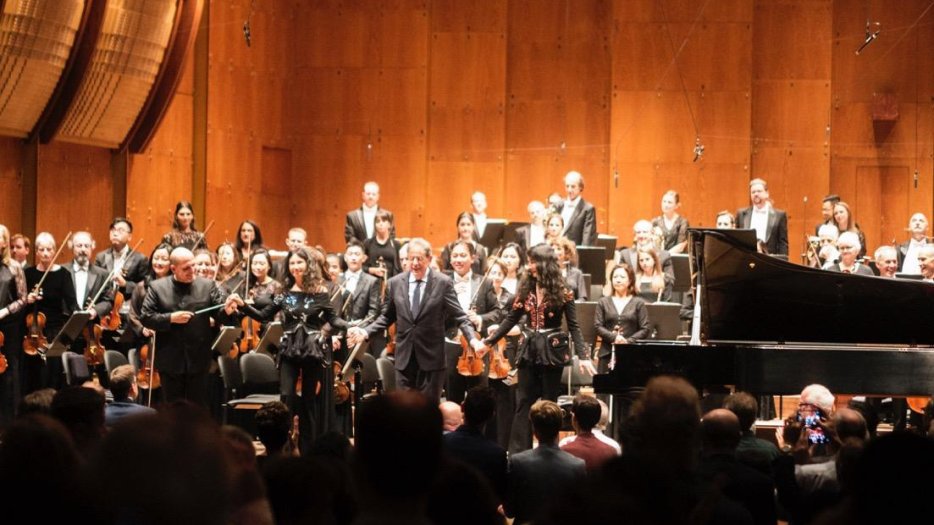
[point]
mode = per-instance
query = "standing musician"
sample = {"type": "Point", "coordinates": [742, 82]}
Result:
{"type": "Point", "coordinates": [725, 220]}
{"type": "Point", "coordinates": [87, 279]}
{"type": "Point", "coordinates": [55, 301]}
{"type": "Point", "coordinates": [514, 258]}
{"type": "Point", "coordinates": [566, 253]}
{"type": "Point", "coordinates": [826, 211]}
{"type": "Point", "coordinates": [361, 222]}
{"type": "Point", "coordinates": [159, 267]}
{"type": "Point", "coordinates": [845, 222]}
{"type": "Point", "coordinates": [364, 289]}
{"type": "Point", "coordinates": [132, 266]}
{"type": "Point", "coordinates": [19, 246]}
{"type": "Point", "coordinates": [534, 233]}
{"type": "Point", "coordinates": [580, 217]}
{"type": "Point", "coordinates": [467, 285]}
{"type": "Point", "coordinates": [296, 238]}
{"type": "Point", "coordinates": [178, 309]}
{"type": "Point", "coordinates": [672, 227]}
{"type": "Point", "coordinates": [771, 224]}
{"type": "Point", "coordinates": [249, 238]}
{"type": "Point", "coordinates": [466, 230]}
{"type": "Point", "coordinates": [478, 211]}
{"type": "Point", "coordinates": [419, 301]}
{"type": "Point", "coordinates": [886, 258]}
{"type": "Point", "coordinates": [229, 275]}
{"type": "Point", "coordinates": [305, 306]}
{"type": "Point", "coordinates": [926, 261]}
{"type": "Point", "coordinates": [908, 250]}
{"type": "Point", "coordinates": [543, 301]}
{"type": "Point", "coordinates": [205, 263]}
{"type": "Point", "coordinates": [13, 298]}
{"type": "Point", "coordinates": [382, 250]}
{"type": "Point", "coordinates": [650, 283]}
{"type": "Point", "coordinates": [184, 233]}
{"type": "Point", "coordinates": [621, 315]}
{"type": "Point", "coordinates": [261, 283]}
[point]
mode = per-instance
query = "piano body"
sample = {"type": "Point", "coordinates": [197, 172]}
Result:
{"type": "Point", "coordinates": [768, 326]}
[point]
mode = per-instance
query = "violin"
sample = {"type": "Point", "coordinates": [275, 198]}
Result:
{"type": "Point", "coordinates": [499, 364]}
{"type": "Point", "coordinates": [4, 364]}
{"type": "Point", "coordinates": [918, 404]}
{"type": "Point", "coordinates": [391, 339]}
{"type": "Point", "coordinates": [94, 352]}
{"type": "Point", "coordinates": [468, 364]}
{"type": "Point", "coordinates": [148, 377]}
{"type": "Point", "coordinates": [250, 338]}
{"type": "Point", "coordinates": [341, 388]}
{"type": "Point", "coordinates": [111, 321]}
{"type": "Point", "coordinates": [35, 342]}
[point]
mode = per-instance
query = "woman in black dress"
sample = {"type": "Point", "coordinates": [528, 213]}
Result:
{"type": "Point", "coordinates": [542, 301]}
{"type": "Point", "coordinates": [304, 307]}
{"type": "Point", "coordinates": [184, 233]}
{"type": "Point", "coordinates": [621, 315]}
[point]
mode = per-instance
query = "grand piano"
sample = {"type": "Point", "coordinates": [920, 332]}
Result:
{"type": "Point", "coordinates": [768, 326]}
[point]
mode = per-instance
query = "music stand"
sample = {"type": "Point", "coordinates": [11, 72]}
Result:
{"type": "Point", "coordinates": [493, 234]}
{"type": "Point", "coordinates": [665, 320]}
{"type": "Point", "coordinates": [225, 339]}
{"type": "Point", "coordinates": [68, 333]}
{"type": "Point", "coordinates": [271, 337]}
{"type": "Point", "coordinates": [592, 260]}
{"type": "Point", "coordinates": [509, 231]}
{"type": "Point", "coordinates": [608, 242]}
{"type": "Point", "coordinates": [681, 264]}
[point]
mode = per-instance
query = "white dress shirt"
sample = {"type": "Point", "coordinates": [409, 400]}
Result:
{"type": "Point", "coordinates": [81, 284]}
{"type": "Point", "coordinates": [351, 279]}
{"type": "Point", "coordinates": [369, 220]}
{"type": "Point", "coordinates": [567, 210]}
{"type": "Point", "coordinates": [462, 289]}
{"type": "Point", "coordinates": [911, 264]}
{"type": "Point", "coordinates": [760, 221]}
{"type": "Point", "coordinates": [536, 235]}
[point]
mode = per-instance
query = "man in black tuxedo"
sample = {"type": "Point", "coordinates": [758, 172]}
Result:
{"type": "Point", "coordinates": [360, 222]}
{"type": "Point", "coordinates": [183, 337]}
{"type": "Point", "coordinates": [771, 224]}
{"type": "Point", "coordinates": [88, 279]}
{"type": "Point", "coordinates": [580, 217]}
{"type": "Point", "coordinates": [908, 250]}
{"type": "Point", "coordinates": [466, 286]}
{"type": "Point", "coordinates": [419, 301]}
{"type": "Point", "coordinates": [130, 270]}
{"type": "Point", "coordinates": [297, 238]}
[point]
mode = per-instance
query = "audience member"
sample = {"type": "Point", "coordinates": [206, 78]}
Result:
{"type": "Point", "coordinates": [451, 416]}
{"type": "Point", "coordinates": [468, 443]}
{"type": "Point", "coordinates": [585, 414]}
{"type": "Point", "coordinates": [125, 391]}
{"type": "Point", "coordinates": [751, 450]}
{"type": "Point", "coordinates": [273, 428]}
{"type": "Point", "coordinates": [81, 410]}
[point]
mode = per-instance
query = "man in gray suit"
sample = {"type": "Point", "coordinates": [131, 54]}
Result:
{"type": "Point", "coordinates": [542, 474]}
{"type": "Point", "coordinates": [419, 301]}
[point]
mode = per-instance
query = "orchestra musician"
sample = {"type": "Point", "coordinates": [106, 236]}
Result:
{"type": "Point", "coordinates": [361, 222]}
{"type": "Point", "coordinates": [908, 250]}
{"type": "Point", "coordinates": [261, 283]}
{"type": "Point", "coordinates": [19, 247]}
{"type": "Point", "coordinates": [541, 304]}
{"type": "Point", "coordinates": [467, 284]}
{"type": "Point", "coordinates": [364, 290]}
{"type": "Point", "coordinates": [580, 217]}
{"type": "Point", "coordinates": [514, 258]}
{"type": "Point", "coordinates": [249, 237]}
{"type": "Point", "coordinates": [295, 239]}
{"type": "Point", "coordinates": [566, 253]}
{"type": "Point", "coordinates": [382, 250]}
{"type": "Point", "coordinates": [305, 306]}
{"type": "Point", "coordinates": [14, 297]}
{"type": "Point", "coordinates": [849, 246]}
{"type": "Point", "coordinates": [229, 275]}
{"type": "Point", "coordinates": [478, 211]}
{"type": "Point", "coordinates": [419, 301]}
{"type": "Point", "coordinates": [621, 316]}
{"type": "Point", "coordinates": [466, 230]}
{"type": "Point", "coordinates": [184, 232]}
{"type": "Point", "coordinates": [771, 224]}
{"type": "Point", "coordinates": [87, 279]}
{"type": "Point", "coordinates": [826, 211]}
{"type": "Point", "coordinates": [132, 266]}
{"type": "Point", "coordinates": [886, 258]}
{"type": "Point", "coordinates": [672, 226]}
{"type": "Point", "coordinates": [725, 220]}
{"type": "Point", "coordinates": [827, 254]}
{"type": "Point", "coordinates": [844, 221]}
{"type": "Point", "coordinates": [644, 238]}
{"type": "Point", "coordinates": [650, 283]}
{"type": "Point", "coordinates": [158, 268]}
{"type": "Point", "coordinates": [926, 261]}
{"type": "Point", "coordinates": [554, 227]}
{"type": "Point", "coordinates": [205, 263]}
{"type": "Point", "coordinates": [533, 233]}
{"type": "Point", "coordinates": [176, 309]}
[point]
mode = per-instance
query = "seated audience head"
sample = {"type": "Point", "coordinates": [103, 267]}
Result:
{"type": "Point", "coordinates": [451, 415]}
{"type": "Point", "coordinates": [478, 406]}
{"type": "Point", "coordinates": [720, 430]}
{"type": "Point", "coordinates": [546, 417]}
{"type": "Point", "coordinates": [585, 413]}
{"type": "Point", "coordinates": [81, 410]}
{"type": "Point", "coordinates": [744, 406]}
{"type": "Point", "coordinates": [886, 258]}
{"type": "Point", "coordinates": [37, 402]}
{"type": "Point", "coordinates": [849, 424]}
{"type": "Point", "coordinates": [664, 424]}
{"type": "Point", "coordinates": [273, 425]}
{"type": "Point", "coordinates": [817, 396]}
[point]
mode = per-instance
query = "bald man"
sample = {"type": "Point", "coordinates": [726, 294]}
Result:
{"type": "Point", "coordinates": [183, 335]}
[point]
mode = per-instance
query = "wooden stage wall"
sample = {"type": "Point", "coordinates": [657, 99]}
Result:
{"type": "Point", "coordinates": [437, 98]}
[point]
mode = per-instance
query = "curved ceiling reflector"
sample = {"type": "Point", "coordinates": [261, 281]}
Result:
{"type": "Point", "coordinates": [36, 40]}
{"type": "Point", "coordinates": [127, 57]}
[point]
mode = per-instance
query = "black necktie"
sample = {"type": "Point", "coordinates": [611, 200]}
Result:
{"type": "Point", "coordinates": [417, 298]}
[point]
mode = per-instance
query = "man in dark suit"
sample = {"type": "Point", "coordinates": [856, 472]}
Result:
{"type": "Point", "coordinates": [771, 224]}
{"type": "Point", "coordinates": [183, 336]}
{"type": "Point", "coordinates": [466, 286]}
{"type": "Point", "coordinates": [419, 301]}
{"type": "Point", "coordinates": [297, 238]}
{"type": "Point", "coordinates": [88, 279]}
{"type": "Point", "coordinates": [360, 222]}
{"type": "Point", "coordinates": [125, 391]}
{"type": "Point", "coordinates": [132, 268]}
{"type": "Point", "coordinates": [363, 305]}
{"type": "Point", "coordinates": [908, 250]}
{"type": "Point", "coordinates": [468, 444]}
{"type": "Point", "coordinates": [540, 475]}
{"type": "Point", "coordinates": [580, 217]}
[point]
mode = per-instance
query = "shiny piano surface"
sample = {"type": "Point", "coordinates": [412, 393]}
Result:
{"type": "Point", "coordinates": [771, 326]}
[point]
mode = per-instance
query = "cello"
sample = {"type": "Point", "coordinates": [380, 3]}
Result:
{"type": "Point", "coordinates": [35, 342]}
{"type": "Point", "coordinates": [148, 377]}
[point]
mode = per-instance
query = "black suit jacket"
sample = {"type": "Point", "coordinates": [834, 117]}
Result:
{"type": "Point", "coordinates": [135, 268]}
{"type": "Point", "coordinates": [355, 228]}
{"type": "Point", "coordinates": [364, 303]}
{"type": "Point", "coordinates": [421, 337]}
{"type": "Point", "coordinates": [537, 477]}
{"type": "Point", "coordinates": [182, 348]}
{"type": "Point", "coordinates": [97, 277]}
{"type": "Point", "coordinates": [776, 233]}
{"type": "Point", "coordinates": [582, 227]}
{"type": "Point", "coordinates": [472, 447]}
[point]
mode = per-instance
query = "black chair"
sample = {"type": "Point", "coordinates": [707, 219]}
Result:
{"type": "Point", "coordinates": [113, 359]}
{"type": "Point", "coordinates": [369, 373]}
{"type": "Point", "coordinates": [259, 373]}
{"type": "Point", "coordinates": [76, 368]}
{"type": "Point", "coordinates": [387, 373]}
{"type": "Point", "coordinates": [243, 406]}
{"type": "Point", "coordinates": [133, 357]}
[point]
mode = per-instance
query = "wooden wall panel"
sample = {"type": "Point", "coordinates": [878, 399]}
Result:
{"type": "Point", "coordinates": [75, 191]}
{"type": "Point", "coordinates": [12, 153]}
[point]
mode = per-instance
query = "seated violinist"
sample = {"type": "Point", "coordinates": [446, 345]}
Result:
{"type": "Point", "coordinates": [849, 247]}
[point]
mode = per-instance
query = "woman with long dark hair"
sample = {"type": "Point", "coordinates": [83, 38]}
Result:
{"type": "Point", "coordinates": [184, 232]}
{"type": "Point", "coordinates": [542, 302]}
{"type": "Point", "coordinates": [305, 307]}
{"type": "Point", "coordinates": [466, 228]}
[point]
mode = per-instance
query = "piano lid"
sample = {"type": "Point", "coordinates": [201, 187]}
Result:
{"type": "Point", "coordinates": [749, 296]}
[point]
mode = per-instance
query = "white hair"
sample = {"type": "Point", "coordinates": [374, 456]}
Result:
{"type": "Point", "coordinates": [819, 396]}
{"type": "Point", "coordinates": [850, 238]}
{"type": "Point", "coordinates": [828, 230]}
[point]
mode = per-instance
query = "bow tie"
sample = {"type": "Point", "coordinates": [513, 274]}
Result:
{"type": "Point", "coordinates": [458, 279]}
{"type": "Point", "coordinates": [81, 268]}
